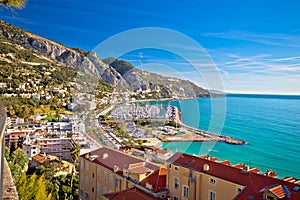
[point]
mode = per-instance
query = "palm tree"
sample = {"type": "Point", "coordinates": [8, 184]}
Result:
{"type": "Point", "coordinates": [14, 3]}
{"type": "Point", "coordinates": [75, 152]}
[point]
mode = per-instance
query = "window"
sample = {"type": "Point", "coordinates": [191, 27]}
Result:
{"type": "Point", "coordinates": [176, 183]}
{"type": "Point", "coordinates": [212, 195]}
{"type": "Point", "coordinates": [185, 191]}
{"type": "Point", "coordinates": [175, 198]}
{"type": "Point", "coordinates": [116, 182]}
{"type": "Point", "coordinates": [86, 166]}
{"type": "Point", "coordinates": [176, 168]}
{"type": "Point", "coordinates": [270, 198]}
{"type": "Point", "coordinates": [98, 173]}
{"type": "Point", "coordinates": [110, 178]}
{"type": "Point", "coordinates": [239, 190]}
{"type": "Point", "coordinates": [105, 176]}
{"type": "Point", "coordinates": [212, 181]}
{"type": "Point", "coordinates": [98, 187]}
{"type": "Point", "coordinates": [81, 177]}
{"type": "Point", "coordinates": [86, 180]}
{"type": "Point", "coordinates": [93, 189]}
{"type": "Point", "coordinates": [82, 163]}
{"type": "Point", "coordinates": [86, 196]}
{"type": "Point", "coordinates": [81, 192]}
{"type": "Point", "coordinates": [93, 175]}
{"type": "Point", "coordinates": [104, 190]}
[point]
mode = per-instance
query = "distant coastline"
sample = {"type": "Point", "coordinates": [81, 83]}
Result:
{"type": "Point", "coordinates": [272, 96]}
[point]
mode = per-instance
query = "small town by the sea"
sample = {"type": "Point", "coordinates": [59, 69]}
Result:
{"type": "Point", "coordinates": [149, 100]}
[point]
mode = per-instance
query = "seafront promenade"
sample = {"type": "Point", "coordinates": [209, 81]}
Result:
{"type": "Point", "coordinates": [196, 135]}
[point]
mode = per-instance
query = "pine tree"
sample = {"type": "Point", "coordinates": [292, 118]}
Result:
{"type": "Point", "coordinates": [22, 185]}
{"type": "Point", "coordinates": [41, 190]}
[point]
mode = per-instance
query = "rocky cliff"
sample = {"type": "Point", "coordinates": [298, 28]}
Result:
{"type": "Point", "coordinates": [118, 73]}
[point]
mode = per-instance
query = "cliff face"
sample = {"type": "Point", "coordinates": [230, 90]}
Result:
{"type": "Point", "coordinates": [89, 63]}
{"type": "Point", "coordinates": [118, 73]}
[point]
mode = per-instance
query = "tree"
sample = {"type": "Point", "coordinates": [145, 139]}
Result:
{"type": "Point", "coordinates": [32, 187]}
{"type": "Point", "coordinates": [20, 141]}
{"type": "Point", "coordinates": [18, 163]}
{"type": "Point", "coordinates": [22, 185]}
{"type": "Point", "coordinates": [7, 153]}
{"type": "Point", "coordinates": [75, 152]}
{"type": "Point", "coordinates": [12, 148]}
{"type": "Point", "coordinates": [14, 3]}
{"type": "Point", "coordinates": [41, 190]}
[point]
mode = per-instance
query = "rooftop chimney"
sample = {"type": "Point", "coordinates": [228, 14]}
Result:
{"type": "Point", "coordinates": [245, 168]}
{"type": "Point", "coordinates": [205, 167]}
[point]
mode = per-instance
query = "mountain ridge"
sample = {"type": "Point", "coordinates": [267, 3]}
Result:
{"type": "Point", "coordinates": [129, 78]}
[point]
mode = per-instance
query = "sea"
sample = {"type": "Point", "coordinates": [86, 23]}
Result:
{"type": "Point", "coordinates": [270, 124]}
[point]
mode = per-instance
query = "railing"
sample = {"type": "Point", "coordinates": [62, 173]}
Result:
{"type": "Point", "coordinates": [2, 128]}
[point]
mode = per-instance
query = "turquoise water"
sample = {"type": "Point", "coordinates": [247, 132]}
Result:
{"type": "Point", "coordinates": [270, 124]}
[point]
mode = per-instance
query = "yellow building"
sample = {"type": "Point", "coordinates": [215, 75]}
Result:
{"type": "Point", "coordinates": [108, 170]}
{"type": "Point", "coordinates": [203, 178]}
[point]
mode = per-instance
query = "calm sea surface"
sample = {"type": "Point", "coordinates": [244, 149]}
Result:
{"type": "Point", "coordinates": [269, 123]}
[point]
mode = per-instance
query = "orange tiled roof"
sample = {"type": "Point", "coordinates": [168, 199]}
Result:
{"type": "Point", "coordinates": [277, 191]}
{"type": "Point", "coordinates": [140, 170]}
{"type": "Point", "coordinates": [17, 133]}
{"type": "Point", "coordinates": [225, 162]}
{"type": "Point", "coordinates": [255, 170]}
{"type": "Point", "coordinates": [40, 158]}
{"type": "Point", "coordinates": [114, 159]}
{"type": "Point", "coordinates": [253, 182]}
{"type": "Point", "coordinates": [130, 194]}
{"type": "Point", "coordinates": [157, 180]}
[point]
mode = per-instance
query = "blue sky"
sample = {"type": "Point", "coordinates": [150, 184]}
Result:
{"type": "Point", "coordinates": [254, 44]}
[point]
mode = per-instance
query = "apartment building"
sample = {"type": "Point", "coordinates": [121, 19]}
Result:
{"type": "Point", "coordinates": [107, 171]}
{"type": "Point", "coordinates": [12, 138]}
{"type": "Point", "coordinates": [201, 178]}
{"type": "Point", "coordinates": [58, 146]}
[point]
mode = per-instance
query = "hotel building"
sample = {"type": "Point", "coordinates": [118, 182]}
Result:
{"type": "Point", "coordinates": [108, 170]}
{"type": "Point", "coordinates": [115, 175]}
{"type": "Point", "coordinates": [204, 178]}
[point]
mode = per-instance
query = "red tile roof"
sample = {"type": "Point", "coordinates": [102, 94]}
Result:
{"type": "Point", "coordinates": [253, 182]}
{"type": "Point", "coordinates": [255, 170]}
{"type": "Point", "coordinates": [17, 133]}
{"type": "Point", "coordinates": [225, 162]}
{"type": "Point", "coordinates": [158, 180]}
{"type": "Point", "coordinates": [140, 170]}
{"type": "Point", "coordinates": [40, 158]}
{"type": "Point", "coordinates": [130, 194]}
{"type": "Point", "coordinates": [114, 159]}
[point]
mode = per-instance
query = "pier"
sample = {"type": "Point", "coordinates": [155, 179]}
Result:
{"type": "Point", "coordinates": [194, 134]}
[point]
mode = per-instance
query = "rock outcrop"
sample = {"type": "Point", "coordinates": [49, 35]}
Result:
{"type": "Point", "coordinates": [120, 74]}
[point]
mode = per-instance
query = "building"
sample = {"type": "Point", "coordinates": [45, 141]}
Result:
{"type": "Point", "coordinates": [129, 194]}
{"type": "Point", "coordinates": [108, 170]}
{"type": "Point", "coordinates": [12, 138]}
{"type": "Point", "coordinates": [193, 177]}
{"type": "Point", "coordinates": [57, 146]}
